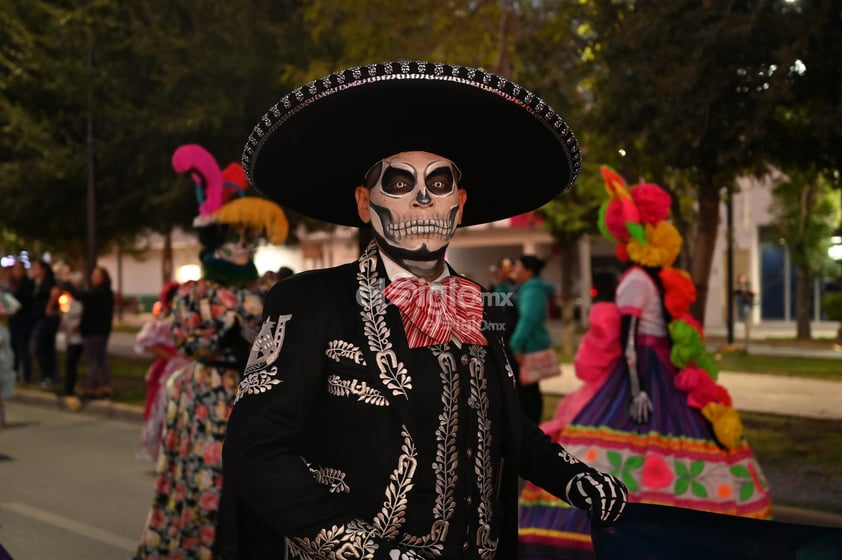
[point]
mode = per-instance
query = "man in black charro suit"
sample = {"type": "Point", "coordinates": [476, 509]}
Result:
{"type": "Point", "coordinates": [377, 417]}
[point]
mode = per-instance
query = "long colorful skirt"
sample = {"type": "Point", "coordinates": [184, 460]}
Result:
{"type": "Point", "coordinates": [182, 521]}
{"type": "Point", "coordinates": [672, 459]}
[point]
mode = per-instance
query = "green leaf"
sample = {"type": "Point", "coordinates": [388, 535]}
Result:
{"type": "Point", "coordinates": [681, 486]}
{"type": "Point", "coordinates": [681, 469]}
{"type": "Point", "coordinates": [637, 232]}
{"type": "Point", "coordinates": [614, 459]}
{"type": "Point", "coordinates": [630, 482]}
{"type": "Point", "coordinates": [696, 468]}
{"type": "Point", "coordinates": [634, 462]}
{"type": "Point", "coordinates": [740, 471]}
{"type": "Point", "coordinates": [698, 489]}
{"type": "Point", "coordinates": [746, 491]}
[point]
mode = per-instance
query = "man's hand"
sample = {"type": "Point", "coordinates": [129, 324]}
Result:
{"type": "Point", "coordinates": [602, 495]}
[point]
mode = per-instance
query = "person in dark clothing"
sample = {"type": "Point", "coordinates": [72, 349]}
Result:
{"type": "Point", "coordinates": [45, 319]}
{"type": "Point", "coordinates": [20, 324]}
{"type": "Point", "coordinates": [95, 327]}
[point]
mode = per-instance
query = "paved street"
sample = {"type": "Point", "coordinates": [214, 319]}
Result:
{"type": "Point", "coordinates": [71, 488]}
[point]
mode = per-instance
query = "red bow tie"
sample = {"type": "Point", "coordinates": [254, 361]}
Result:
{"type": "Point", "coordinates": [434, 313]}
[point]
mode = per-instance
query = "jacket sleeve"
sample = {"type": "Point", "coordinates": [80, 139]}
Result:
{"type": "Point", "coordinates": [264, 471]}
{"type": "Point", "coordinates": [260, 458]}
{"type": "Point", "coordinates": [546, 463]}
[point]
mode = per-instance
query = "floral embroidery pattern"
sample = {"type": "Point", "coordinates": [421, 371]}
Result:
{"type": "Point", "coordinates": [341, 349]}
{"type": "Point", "coordinates": [486, 546]}
{"type": "Point", "coordinates": [392, 372]}
{"type": "Point", "coordinates": [340, 387]}
{"type": "Point", "coordinates": [356, 539]}
{"type": "Point", "coordinates": [334, 479]}
{"type": "Point", "coordinates": [447, 458]}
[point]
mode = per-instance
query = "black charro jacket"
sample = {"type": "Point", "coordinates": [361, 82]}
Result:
{"type": "Point", "coordinates": [331, 444]}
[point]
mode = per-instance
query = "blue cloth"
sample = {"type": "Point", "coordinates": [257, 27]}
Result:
{"type": "Point", "coordinates": [650, 532]}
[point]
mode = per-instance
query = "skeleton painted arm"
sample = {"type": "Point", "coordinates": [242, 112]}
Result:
{"type": "Point", "coordinates": [641, 405]}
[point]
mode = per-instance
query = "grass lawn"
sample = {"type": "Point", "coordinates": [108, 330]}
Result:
{"type": "Point", "coordinates": [816, 368]}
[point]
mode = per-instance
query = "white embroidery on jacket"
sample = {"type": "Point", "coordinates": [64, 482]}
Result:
{"type": "Point", "coordinates": [358, 539]}
{"type": "Point", "coordinates": [260, 373]}
{"type": "Point", "coordinates": [340, 387]}
{"type": "Point", "coordinates": [483, 468]}
{"type": "Point", "coordinates": [341, 349]}
{"type": "Point", "coordinates": [392, 372]}
{"type": "Point", "coordinates": [334, 479]}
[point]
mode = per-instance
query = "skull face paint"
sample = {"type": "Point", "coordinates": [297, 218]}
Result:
{"type": "Point", "coordinates": [238, 246]}
{"type": "Point", "coordinates": [415, 203]}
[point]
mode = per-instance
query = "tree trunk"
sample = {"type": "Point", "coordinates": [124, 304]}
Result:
{"type": "Point", "coordinates": [166, 259]}
{"type": "Point", "coordinates": [704, 246]}
{"type": "Point", "coordinates": [802, 303]}
{"type": "Point", "coordinates": [569, 252]}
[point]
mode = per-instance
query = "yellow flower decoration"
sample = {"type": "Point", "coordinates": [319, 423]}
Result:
{"type": "Point", "coordinates": [663, 243]}
{"type": "Point", "coordinates": [727, 425]}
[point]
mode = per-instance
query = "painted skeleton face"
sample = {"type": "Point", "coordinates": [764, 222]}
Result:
{"type": "Point", "coordinates": [414, 201]}
{"type": "Point", "coordinates": [238, 246]}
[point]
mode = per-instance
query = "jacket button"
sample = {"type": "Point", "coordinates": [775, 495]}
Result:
{"type": "Point", "coordinates": [464, 359]}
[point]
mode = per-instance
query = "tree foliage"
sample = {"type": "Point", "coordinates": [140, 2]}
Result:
{"type": "Point", "coordinates": [685, 89]}
{"type": "Point", "coordinates": [145, 77]}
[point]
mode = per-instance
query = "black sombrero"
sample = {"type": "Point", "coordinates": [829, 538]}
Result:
{"type": "Point", "coordinates": [312, 148]}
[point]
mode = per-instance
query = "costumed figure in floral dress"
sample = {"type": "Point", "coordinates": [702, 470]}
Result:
{"type": "Point", "coordinates": [650, 410]}
{"type": "Point", "coordinates": [156, 337]}
{"type": "Point", "coordinates": [214, 321]}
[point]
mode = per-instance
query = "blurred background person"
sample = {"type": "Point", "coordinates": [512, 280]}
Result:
{"type": "Point", "coordinates": [156, 337]}
{"type": "Point", "coordinates": [8, 307]}
{"type": "Point", "coordinates": [531, 332]}
{"type": "Point", "coordinates": [20, 324]}
{"type": "Point", "coordinates": [284, 272]}
{"type": "Point", "coordinates": [95, 327]}
{"type": "Point", "coordinates": [71, 319]}
{"type": "Point", "coordinates": [45, 319]}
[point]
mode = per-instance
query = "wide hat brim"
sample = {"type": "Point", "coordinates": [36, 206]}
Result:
{"type": "Point", "coordinates": [310, 150]}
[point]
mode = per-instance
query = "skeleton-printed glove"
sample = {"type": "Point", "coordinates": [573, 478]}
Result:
{"type": "Point", "coordinates": [602, 495]}
{"type": "Point", "coordinates": [396, 554]}
{"type": "Point", "coordinates": [641, 408]}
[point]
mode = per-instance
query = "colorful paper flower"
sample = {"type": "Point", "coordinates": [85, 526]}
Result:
{"type": "Point", "coordinates": [656, 473]}
{"type": "Point", "coordinates": [726, 423]}
{"type": "Point", "coordinates": [687, 344]}
{"type": "Point", "coordinates": [663, 243]}
{"type": "Point", "coordinates": [698, 385]}
{"type": "Point", "coordinates": [653, 203]}
{"type": "Point", "coordinates": [679, 291]}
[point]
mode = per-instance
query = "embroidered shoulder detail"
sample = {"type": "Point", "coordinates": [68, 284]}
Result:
{"type": "Point", "coordinates": [393, 373]}
{"type": "Point", "coordinates": [340, 387]}
{"type": "Point", "coordinates": [341, 349]}
{"type": "Point", "coordinates": [261, 371]}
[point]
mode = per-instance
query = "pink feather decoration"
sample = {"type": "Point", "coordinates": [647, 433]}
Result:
{"type": "Point", "coordinates": [203, 168]}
